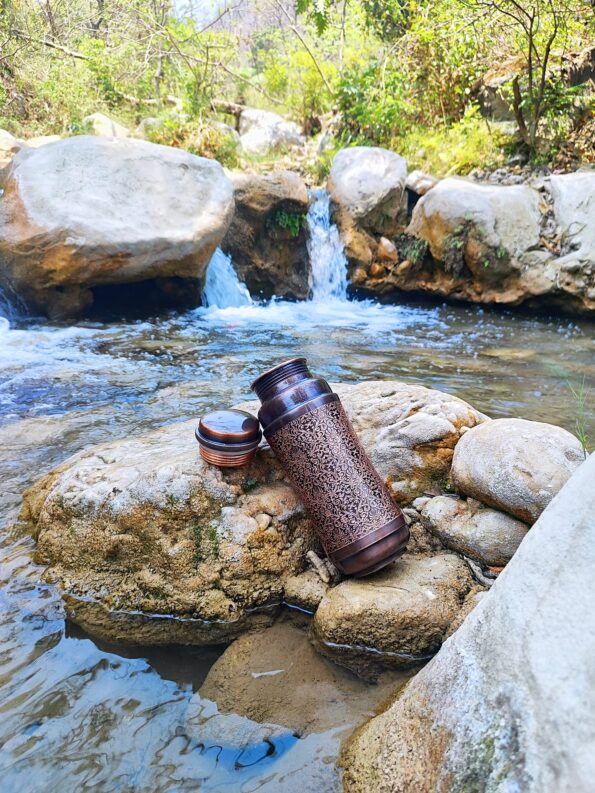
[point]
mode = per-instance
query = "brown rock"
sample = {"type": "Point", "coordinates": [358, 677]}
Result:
{"type": "Point", "coordinates": [269, 256]}
{"type": "Point", "coordinates": [387, 250]}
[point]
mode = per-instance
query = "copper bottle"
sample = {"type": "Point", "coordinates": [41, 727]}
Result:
{"type": "Point", "coordinates": [359, 525]}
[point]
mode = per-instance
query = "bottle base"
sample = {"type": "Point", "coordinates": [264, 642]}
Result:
{"type": "Point", "coordinates": [374, 551]}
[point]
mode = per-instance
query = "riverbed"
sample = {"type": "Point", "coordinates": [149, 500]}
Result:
{"type": "Point", "coordinates": [77, 716]}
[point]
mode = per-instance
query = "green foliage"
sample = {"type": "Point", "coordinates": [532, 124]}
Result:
{"type": "Point", "coordinates": [580, 395]}
{"type": "Point", "coordinates": [411, 248]}
{"type": "Point", "coordinates": [294, 222]}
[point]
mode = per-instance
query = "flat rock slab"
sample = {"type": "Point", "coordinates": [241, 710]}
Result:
{"type": "Point", "coordinates": [469, 528]}
{"type": "Point", "coordinates": [396, 618]}
{"type": "Point", "coordinates": [515, 465]}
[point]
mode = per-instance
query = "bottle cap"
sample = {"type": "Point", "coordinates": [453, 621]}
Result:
{"type": "Point", "coordinates": [228, 438]}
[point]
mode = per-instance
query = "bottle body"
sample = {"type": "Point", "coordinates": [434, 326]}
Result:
{"type": "Point", "coordinates": [359, 525]}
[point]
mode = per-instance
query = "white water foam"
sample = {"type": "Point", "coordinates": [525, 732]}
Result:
{"type": "Point", "coordinates": [223, 288]}
{"type": "Point", "coordinates": [328, 264]}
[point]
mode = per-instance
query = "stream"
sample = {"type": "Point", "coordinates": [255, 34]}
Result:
{"type": "Point", "coordinates": [80, 716]}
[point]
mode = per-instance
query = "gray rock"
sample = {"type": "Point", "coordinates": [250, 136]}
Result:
{"type": "Point", "coordinates": [515, 465]}
{"type": "Point", "coordinates": [507, 704]}
{"type": "Point", "coordinates": [367, 185]}
{"type": "Point", "coordinates": [574, 208]}
{"type": "Point", "coordinates": [89, 211]}
{"type": "Point", "coordinates": [419, 182]}
{"type": "Point", "coordinates": [396, 618]}
{"type": "Point", "coordinates": [105, 126]}
{"type": "Point", "coordinates": [263, 132]}
{"type": "Point", "coordinates": [473, 530]}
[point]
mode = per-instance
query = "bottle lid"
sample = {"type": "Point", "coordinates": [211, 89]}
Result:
{"type": "Point", "coordinates": [228, 438]}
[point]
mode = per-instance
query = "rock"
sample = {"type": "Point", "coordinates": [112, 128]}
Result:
{"type": "Point", "coordinates": [396, 618]}
{"type": "Point", "coordinates": [142, 526]}
{"type": "Point", "coordinates": [85, 212]}
{"type": "Point", "coordinates": [41, 140]}
{"type": "Point", "coordinates": [574, 207]}
{"type": "Point", "coordinates": [276, 676]}
{"type": "Point", "coordinates": [366, 185]}
{"type": "Point", "coordinates": [469, 528]}
{"type": "Point", "coordinates": [506, 705]}
{"type": "Point", "coordinates": [304, 591]}
{"type": "Point", "coordinates": [515, 465]}
{"type": "Point", "coordinates": [472, 599]}
{"type": "Point", "coordinates": [387, 251]}
{"type": "Point", "coordinates": [104, 126]}
{"type": "Point", "coordinates": [9, 146]}
{"type": "Point", "coordinates": [419, 182]}
{"type": "Point", "coordinates": [408, 431]}
{"type": "Point", "coordinates": [267, 238]}
{"type": "Point", "coordinates": [477, 223]}
{"type": "Point", "coordinates": [263, 132]}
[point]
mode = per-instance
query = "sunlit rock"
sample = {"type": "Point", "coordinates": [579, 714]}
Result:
{"type": "Point", "coordinates": [88, 211]}
{"type": "Point", "coordinates": [263, 132]}
{"type": "Point", "coordinates": [106, 127]}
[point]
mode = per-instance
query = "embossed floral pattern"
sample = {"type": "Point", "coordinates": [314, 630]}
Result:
{"type": "Point", "coordinates": [345, 497]}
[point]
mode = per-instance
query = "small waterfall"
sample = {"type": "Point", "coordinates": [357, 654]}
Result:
{"type": "Point", "coordinates": [12, 308]}
{"type": "Point", "coordinates": [328, 264]}
{"type": "Point", "coordinates": [223, 288]}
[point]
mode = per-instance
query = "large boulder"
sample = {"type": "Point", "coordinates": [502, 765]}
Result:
{"type": "Point", "coordinates": [368, 183]}
{"type": "Point", "coordinates": [267, 238]}
{"type": "Point", "coordinates": [468, 527]}
{"type": "Point", "coordinates": [396, 618]}
{"type": "Point", "coordinates": [106, 127]}
{"type": "Point", "coordinates": [515, 465]}
{"type": "Point", "coordinates": [263, 132]}
{"type": "Point", "coordinates": [151, 545]}
{"type": "Point", "coordinates": [85, 212]}
{"type": "Point", "coordinates": [142, 526]}
{"type": "Point", "coordinates": [573, 197]}
{"type": "Point", "coordinates": [507, 704]}
{"type": "Point", "coordinates": [526, 244]}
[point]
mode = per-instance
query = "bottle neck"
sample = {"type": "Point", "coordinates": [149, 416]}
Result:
{"type": "Point", "coordinates": [280, 377]}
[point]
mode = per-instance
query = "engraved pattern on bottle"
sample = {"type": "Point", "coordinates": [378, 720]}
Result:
{"type": "Point", "coordinates": [343, 494]}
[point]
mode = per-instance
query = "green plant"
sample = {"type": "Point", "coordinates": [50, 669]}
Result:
{"type": "Point", "coordinates": [580, 395]}
{"type": "Point", "coordinates": [294, 222]}
{"type": "Point", "coordinates": [412, 248]}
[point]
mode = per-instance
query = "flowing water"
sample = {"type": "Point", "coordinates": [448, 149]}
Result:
{"type": "Point", "coordinates": [77, 716]}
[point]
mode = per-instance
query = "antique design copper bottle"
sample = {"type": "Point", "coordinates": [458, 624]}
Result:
{"type": "Point", "coordinates": [359, 525]}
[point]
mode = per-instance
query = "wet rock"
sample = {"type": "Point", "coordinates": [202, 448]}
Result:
{"type": "Point", "coordinates": [277, 676]}
{"type": "Point", "coordinates": [515, 465]}
{"type": "Point", "coordinates": [507, 702]}
{"type": "Point", "coordinates": [267, 238]}
{"type": "Point", "coordinates": [396, 618]}
{"type": "Point", "coordinates": [264, 132]}
{"type": "Point", "coordinates": [471, 529]}
{"type": "Point", "coordinates": [106, 127]}
{"type": "Point", "coordinates": [86, 212]}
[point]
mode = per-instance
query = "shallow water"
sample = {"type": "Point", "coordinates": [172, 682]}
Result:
{"type": "Point", "coordinates": [76, 716]}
